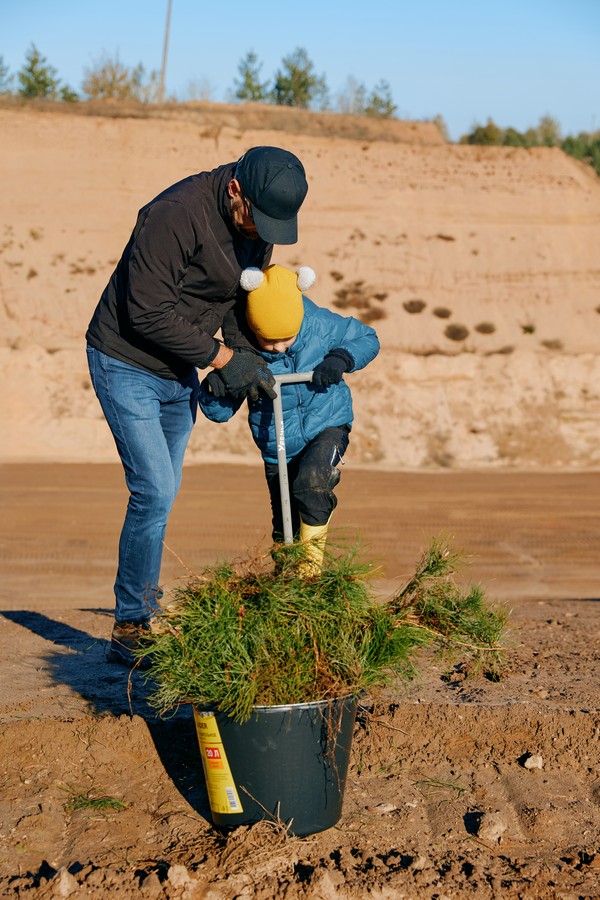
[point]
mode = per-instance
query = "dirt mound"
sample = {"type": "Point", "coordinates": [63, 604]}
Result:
{"type": "Point", "coordinates": [476, 265]}
{"type": "Point", "coordinates": [215, 118]}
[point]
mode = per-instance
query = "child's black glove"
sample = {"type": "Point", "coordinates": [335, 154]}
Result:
{"type": "Point", "coordinates": [214, 385]}
{"type": "Point", "coordinates": [332, 368]}
{"type": "Point", "coordinates": [245, 374]}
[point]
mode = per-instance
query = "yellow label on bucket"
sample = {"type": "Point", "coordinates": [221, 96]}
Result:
{"type": "Point", "coordinates": [222, 793]}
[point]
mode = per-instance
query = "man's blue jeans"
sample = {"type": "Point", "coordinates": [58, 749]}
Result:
{"type": "Point", "coordinates": [151, 419]}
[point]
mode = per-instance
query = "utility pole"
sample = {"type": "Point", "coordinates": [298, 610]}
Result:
{"type": "Point", "coordinates": [161, 91]}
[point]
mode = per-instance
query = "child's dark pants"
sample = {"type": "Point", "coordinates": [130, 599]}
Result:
{"type": "Point", "coordinates": [312, 476]}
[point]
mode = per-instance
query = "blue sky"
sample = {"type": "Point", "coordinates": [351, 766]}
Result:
{"type": "Point", "coordinates": [512, 60]}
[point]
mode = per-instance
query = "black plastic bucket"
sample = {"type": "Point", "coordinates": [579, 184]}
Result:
{"type": "Point", "coordinates": [285, 763]}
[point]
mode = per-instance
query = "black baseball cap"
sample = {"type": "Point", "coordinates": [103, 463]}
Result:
{"type": "Point", "coordinates": [274, 182]}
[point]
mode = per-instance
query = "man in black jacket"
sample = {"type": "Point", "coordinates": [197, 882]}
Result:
{"type": "Point", "coordinates": [175, 286]}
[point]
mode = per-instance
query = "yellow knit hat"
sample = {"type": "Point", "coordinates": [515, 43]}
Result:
{"type": "Point", "coordinates": [274, 309]}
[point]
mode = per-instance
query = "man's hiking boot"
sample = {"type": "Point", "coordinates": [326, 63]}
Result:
{"type": "Point", "coordinates": [126, 638]}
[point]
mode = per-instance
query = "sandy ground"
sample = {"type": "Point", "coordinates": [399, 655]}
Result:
{"type": "Point", "coordinates": [438, 802]}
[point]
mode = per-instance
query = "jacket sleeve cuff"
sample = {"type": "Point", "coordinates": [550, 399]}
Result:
{"type": "Point", "coordinates": [214, 353]}
{"type": "Point", "coordinates": [344, 355]}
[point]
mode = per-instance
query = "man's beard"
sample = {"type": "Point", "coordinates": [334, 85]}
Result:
{"type": "Point", "coordinates": [237, 206]}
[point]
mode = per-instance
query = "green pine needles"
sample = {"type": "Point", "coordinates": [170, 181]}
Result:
{"type": "Point", "coordinates": [244, 636]}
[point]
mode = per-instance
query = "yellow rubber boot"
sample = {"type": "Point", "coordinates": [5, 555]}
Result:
{"type": "Point", "coordinates": [314, 537]}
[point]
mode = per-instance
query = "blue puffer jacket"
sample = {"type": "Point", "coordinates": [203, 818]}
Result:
{"type": "Point", "coordinates": [307, 410]}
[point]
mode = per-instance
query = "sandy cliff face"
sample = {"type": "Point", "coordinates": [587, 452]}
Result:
{"type": "Point", "coordinates": [477, 266]}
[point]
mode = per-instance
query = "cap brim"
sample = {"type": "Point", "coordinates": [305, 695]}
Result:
{"type": "Point", "coordinates": [275, 231]}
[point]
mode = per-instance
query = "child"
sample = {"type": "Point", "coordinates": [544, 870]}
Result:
{"type": "Point", "coordinates": [293, 334]}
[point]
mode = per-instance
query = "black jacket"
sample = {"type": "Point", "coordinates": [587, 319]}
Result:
{"type": "Point", "coordinates": [177, 281]}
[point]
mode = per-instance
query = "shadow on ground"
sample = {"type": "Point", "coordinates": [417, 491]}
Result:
{"type": "Point", "coordinates": [108, 688]}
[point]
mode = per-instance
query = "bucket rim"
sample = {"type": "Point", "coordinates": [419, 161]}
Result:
{"type": "Point", "coordinates": [283, 707]}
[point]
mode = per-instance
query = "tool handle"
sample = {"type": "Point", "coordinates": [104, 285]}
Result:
{"type": "Point", "coordinates": [284, 487]}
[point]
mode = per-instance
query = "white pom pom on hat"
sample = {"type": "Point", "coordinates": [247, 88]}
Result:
{"type": "Point", "coordinates": [306, 277]}
{"type": "Point", "coordinates": [251, 278]}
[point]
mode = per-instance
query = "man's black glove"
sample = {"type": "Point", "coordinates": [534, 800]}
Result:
{"type": "Point", "coordinates": [245, 374]}
{"type": "Point", "coordinates": [332, 368]}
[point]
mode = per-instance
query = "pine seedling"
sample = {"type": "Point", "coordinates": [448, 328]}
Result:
{"type": "Point", "coordinates": [238, 637]}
